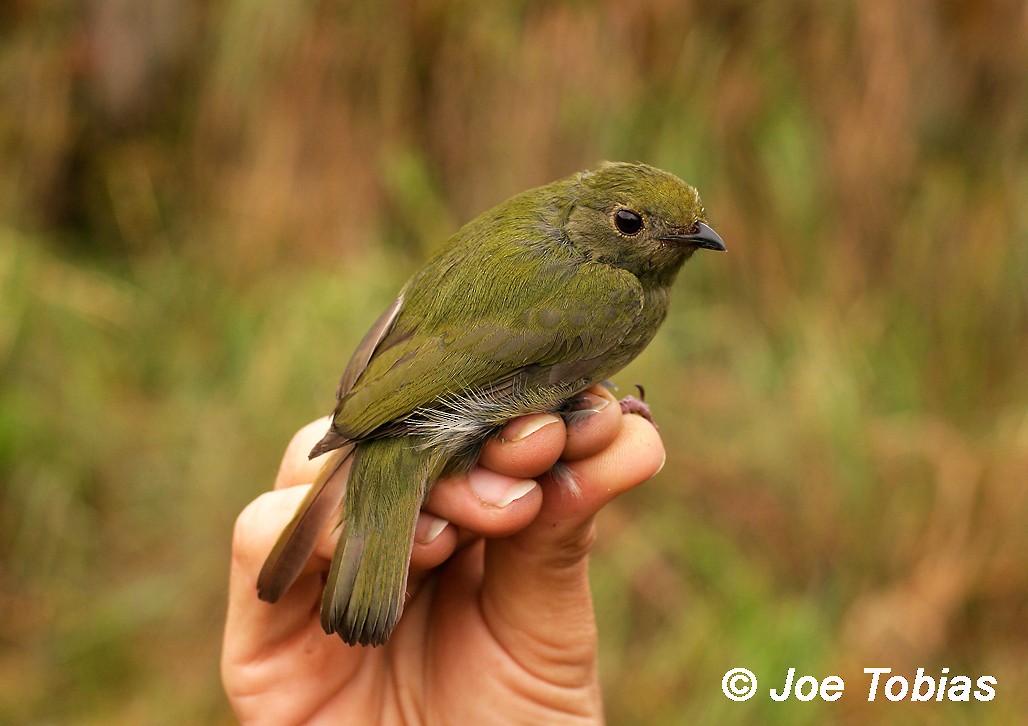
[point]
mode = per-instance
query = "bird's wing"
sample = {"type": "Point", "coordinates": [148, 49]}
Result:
{"type": "Point", "coordinates": [458, 332]}
{"type": "Point", "coordinates": [366, 348]}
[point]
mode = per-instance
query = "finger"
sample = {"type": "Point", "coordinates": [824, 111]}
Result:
{"type": "Point", "coordinates": [257, 625]}
{"type": "Point", "coordinates": [495, 499]}
{"type": "Point", "coordinates": [486, 503]}
{"type": "Point", "coordinates": [435, 539]}
{"type": "Point", "coordinates": [536, 581]}
{"type": "Point", "coordinates": [594, 423]}
{"type": "Point", "coordinates": [498, 498]}
{"type": "Point", "coordinates": [464, 508]}
{"type": "Point", "coordinates": [526, 447]}
{"type": "Point", "coordinates": [257, 529]}
{"type": "Point", "coordinates": [277, 648]}
{"type": "Point", "coordinates": [296, 467]}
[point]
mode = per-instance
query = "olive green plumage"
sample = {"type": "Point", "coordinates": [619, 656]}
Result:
{"type": "Point", "coordinates": [527, 305]}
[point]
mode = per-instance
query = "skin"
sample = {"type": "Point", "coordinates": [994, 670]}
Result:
{"type": "Point", "coordinates": [499, 597]}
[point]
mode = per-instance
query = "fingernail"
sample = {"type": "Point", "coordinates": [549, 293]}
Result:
{"type": "Point", "coordinates": [584, 407]}
{"type": "Point", "coordinates": [497, 490]}
{"type": "Point", "coordinates": [522, 428]}
{"type": "Point", "coordinates": [663, 460]}
{"type": "Point", "coordinates": [589, 403]}
{"type": "Point", "coordinates": [429, 527]}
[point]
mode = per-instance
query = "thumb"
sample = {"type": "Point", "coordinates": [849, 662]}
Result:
{"type": "Point", "coordinates": [535, 589]}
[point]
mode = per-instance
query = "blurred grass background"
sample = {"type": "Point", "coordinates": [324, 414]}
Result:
{"type": "Point", "coordinates": [204, 203]}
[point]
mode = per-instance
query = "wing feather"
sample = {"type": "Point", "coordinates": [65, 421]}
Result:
{"type": "Point", "coordinates": [437, 346]}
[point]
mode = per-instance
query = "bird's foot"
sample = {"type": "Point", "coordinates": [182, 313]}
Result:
{"type": "Point", "coordinates": [631, 404]}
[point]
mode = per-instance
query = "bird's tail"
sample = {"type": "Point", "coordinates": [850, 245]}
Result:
{"type": "Point", "coordinates": [298, 539]}
{"type": "Point", "coordinates": [366, 587]}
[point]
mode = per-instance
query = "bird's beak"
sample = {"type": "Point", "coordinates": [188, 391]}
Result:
{"type": "Point", "coordinates": [703, 237]}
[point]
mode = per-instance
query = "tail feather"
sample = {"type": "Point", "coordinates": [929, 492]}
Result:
{"type": "Point", "coordinates": [297, 541]}
{"type": "Point", "coordinates": [340, 581]}
{"type": "Point", "coordinates": [367, 582]}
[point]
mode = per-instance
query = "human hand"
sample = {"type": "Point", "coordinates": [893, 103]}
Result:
{"type": "Point", "coordinates": [498, 625]}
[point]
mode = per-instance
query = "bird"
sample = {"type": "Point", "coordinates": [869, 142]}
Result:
{"type": "Point", "coordinates": [526, 306]}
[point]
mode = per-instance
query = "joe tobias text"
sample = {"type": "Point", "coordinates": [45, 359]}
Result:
{"type": "Point", "coordinates": [895, 688]}
{"type": "Point", "coordinates": [740, 684]}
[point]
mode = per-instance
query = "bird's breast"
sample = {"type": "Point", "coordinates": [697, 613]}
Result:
{"type": "Point", "coordinates": [651, 316]}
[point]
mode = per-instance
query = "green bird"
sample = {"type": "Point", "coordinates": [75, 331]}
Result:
{"type": "Point", "coordinates": [527, 305]}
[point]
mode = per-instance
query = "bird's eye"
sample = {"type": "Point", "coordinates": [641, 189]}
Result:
{"type": "Point", "coordinates": [628, 222]}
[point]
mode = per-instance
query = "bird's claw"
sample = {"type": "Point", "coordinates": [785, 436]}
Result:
{"type": "Point", "coordinates": [631, 404]}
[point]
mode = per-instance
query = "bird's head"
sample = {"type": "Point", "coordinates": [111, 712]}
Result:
{"type": "Point", "coordinates": [638, 218]}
